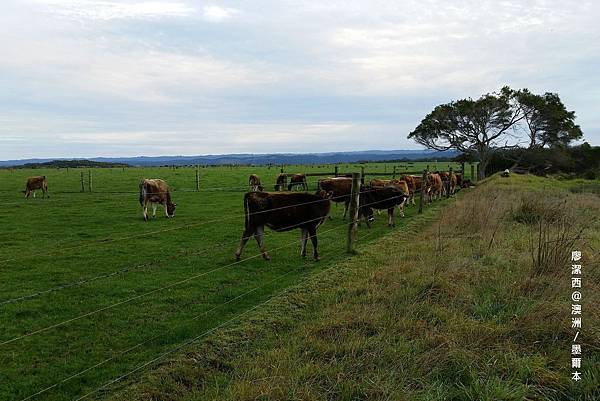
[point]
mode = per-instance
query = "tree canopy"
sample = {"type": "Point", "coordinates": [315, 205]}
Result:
{"type": "Point", "coordinates": [502, 120]}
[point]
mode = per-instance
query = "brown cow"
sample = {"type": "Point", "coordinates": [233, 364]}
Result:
{"type": "Point", "coordinates": [410, 181]}
{"type": "Point", "coordinates": [281, 182]}
{"type": "Point", "coordinates": [453, 182]}
{"type": "Point", "coordinates": [380, 198]}
{"type": "Point", "coordinates": [401, 184]}
{"type": "Point", "coordinates": [445, 177]}
{"type": "Point", "coordinates": [284, 211]}
{"type": "Point", "coordinates": [156, 191]}
{"type": "Point", "coordinates": [340, 188]}
{"type": "Point", "coordinates": [434, 181]}
{"type": "Point", "coordinates": [298, 180]}
{"type": "Point", "coordinates": [33, 183]}
{"type": "Point", "coordinates": [254, 183]}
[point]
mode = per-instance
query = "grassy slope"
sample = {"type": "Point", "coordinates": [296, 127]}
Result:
{"type": "Point", "coordinates": [453, 312]}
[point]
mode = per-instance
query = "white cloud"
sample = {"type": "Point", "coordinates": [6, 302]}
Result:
{"type": "Point", "coordinates": [215, 13]}
{"type": "Point", "coordinates": [109, 10]}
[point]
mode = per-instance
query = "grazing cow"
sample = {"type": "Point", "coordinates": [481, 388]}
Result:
{"type": "Point", "coordinates": [156, 191]}
{"type": "Point", "coordinates": [281, 182]}
{"type": "Point", "coordinates": [284, 211]}
{"type": "Point", "coordinates": [254, 183]}
{"type": "Point", "coordinates": [34, 183]}
{"type": "Point", "coordinates": [340, 188]}
{"type": "Point", "coordinates": [380, 198]}
{"type": "Point", "coordinates": [434, 181]}
{"type": "Point", "coordinates": [401, 184]}
{"type": "Point", "coordinates": [298, 180]}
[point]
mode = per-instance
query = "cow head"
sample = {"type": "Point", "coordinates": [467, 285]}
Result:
{"type": "Point", "coordinates": [171, 209]}
{"type": "Point", "coordinates": [324, 194]}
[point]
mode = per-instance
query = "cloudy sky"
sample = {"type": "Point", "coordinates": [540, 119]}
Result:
{"type": "Point", "coordinates": [82, 78]}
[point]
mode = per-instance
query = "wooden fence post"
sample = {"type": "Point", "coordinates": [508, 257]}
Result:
{"type": "Point", "coordinates": [197, 178]}
{"type": "Point", "coordinates": [90, 180]}
{"type": "Point", "coordinates": [362, 174]}
{"type": "Point", "coordinates": [354, 205]}
{"type": "Point", "coordinates": [394, 173]}
{"type": "Point", "coordinates": [336, 170]}
{"type": "Point", "coordinates": [81, 179]}
{"type": "Point", "coordinates": [422, 197]}
{"type": "Point", "coordinates": [473, 178]}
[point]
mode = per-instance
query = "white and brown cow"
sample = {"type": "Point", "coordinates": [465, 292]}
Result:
{"type": "Point", "coordinates": [34, 183]}
{"type": "Point", "coordinates": [254, 183]}
{"type": "Point", "coordinates": [156, 191]}
{"type": "Point", "coordinates": [298, 180]}
{"type": "Point", "coordinates": [284, 211]}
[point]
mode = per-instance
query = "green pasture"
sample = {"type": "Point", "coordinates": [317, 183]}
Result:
{"type": "Point", "coordinates": [90, 291]}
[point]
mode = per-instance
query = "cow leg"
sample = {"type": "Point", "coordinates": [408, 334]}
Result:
{"type": "Point", "coordinates": [401, 208]}
{"type": "Point", "coordinates": [304, 237]}
{"type": "Point", "coordinates": [34, 194]}
{"type": "Point", "coordinates": [259, 235]}
{"type": "Point", "coordinates": [245, 237]}
{"type": "Point", "coordinates": [313, 238]}
{"type": "Point", "coordinates": [346, 206]}
{"type": "Point", "coordinates": [145, 211]}
{"type": "Point", "coordinates": [391, 217]}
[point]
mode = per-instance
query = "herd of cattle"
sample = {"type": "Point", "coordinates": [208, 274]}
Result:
{"type": "Point", "coordinates": [288, 210]}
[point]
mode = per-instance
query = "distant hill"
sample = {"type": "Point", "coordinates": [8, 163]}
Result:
{"type": "Point", "coordinates": [70, 164]}
{"type": "Point", "coordinates": [256, 159]}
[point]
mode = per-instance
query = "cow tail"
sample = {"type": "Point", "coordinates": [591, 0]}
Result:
{"type": "Point", "coordinates": [142, 193]}
{"type": "Point", "coordinates": [246, 211]}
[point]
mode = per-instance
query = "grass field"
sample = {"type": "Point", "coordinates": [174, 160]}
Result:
{"type": "Point", "coordinates": [451, 307]}
{"type": "Point", "coordinates": [86, 284]}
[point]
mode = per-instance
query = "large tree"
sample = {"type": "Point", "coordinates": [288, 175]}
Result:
{"type": "Point", "coordinates": [495, 121]}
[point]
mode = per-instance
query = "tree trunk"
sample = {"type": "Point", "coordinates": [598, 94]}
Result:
{"type": "Point", "coordinates": [483, 163]}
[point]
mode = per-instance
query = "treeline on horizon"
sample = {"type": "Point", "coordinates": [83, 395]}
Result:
{"type": "Point", "coordinates": [77, 163]}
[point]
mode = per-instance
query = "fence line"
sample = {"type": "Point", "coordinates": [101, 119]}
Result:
{"type": "Point", "coordinates": [125, 270]}
{"type": "Point", "coordinates": [108, 240]}
{"type": "Point", "coordinates": [111, 306]}
{"type": "Point", "coordinates": [192, 340]}
{"type": "Point", "coordinates": [46, 389]}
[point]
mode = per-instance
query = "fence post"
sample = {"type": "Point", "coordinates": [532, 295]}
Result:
{"type": "Point", "coordinates": [449, 186]}
{"type": "Point", "coordinates": [354, 205]}
{"type": "Point", "coordinates": [336, 170]}
{"type": "Point", "coordinates": [362, 174]}
{"type": "Point", "coordinates": [81, 180]}
{"type": "Point", "coordinates": [394, 173]}
{"type": "Point", "coordinates": [90, 180]}
{"type": "Point", "coordinates": [473, 178]}
{"type": "Point", "coordinates": [422, 197]}
{"type": "Point", "coordinates": [197, 178]}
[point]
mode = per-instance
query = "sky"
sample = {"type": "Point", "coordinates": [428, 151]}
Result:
{"type": "Point", "coordinates": [85, 78]}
